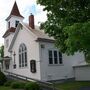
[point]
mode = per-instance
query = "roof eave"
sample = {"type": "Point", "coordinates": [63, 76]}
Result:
{"type": "Point", "coordinates": [11, 16]}
{"type": "Point", "coordinates": [45, 40]}
{"type": "Point", "coordinates": [5, 35]}
{"type": "Point", "coordinates": [12, 42]}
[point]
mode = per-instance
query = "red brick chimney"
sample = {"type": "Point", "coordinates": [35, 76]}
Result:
{"type": "Point", "coordinates": [31, 21]}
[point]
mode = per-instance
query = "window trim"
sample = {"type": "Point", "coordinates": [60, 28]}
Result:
{"type": "Point", "coordinates": [33, 66]}
{"type": "Point", "coordinates": [16, 23]}
{"type": "Point", "coordinates": [24, 63]}
{"type": "Point", "coordinates": [58, 61]}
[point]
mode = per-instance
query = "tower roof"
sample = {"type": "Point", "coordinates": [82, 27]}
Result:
{"type": "Point", "coordinates": [15, 11]}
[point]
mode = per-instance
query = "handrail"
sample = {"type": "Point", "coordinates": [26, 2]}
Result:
{"type": "Point", "coordinates": [49, 84]}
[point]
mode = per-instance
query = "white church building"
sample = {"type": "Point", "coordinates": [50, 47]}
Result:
{"type": "Point", "coordinates": [28, 51]}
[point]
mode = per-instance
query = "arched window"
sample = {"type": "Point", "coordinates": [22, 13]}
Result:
{"type": "Point", "coordinates": [22, 56]}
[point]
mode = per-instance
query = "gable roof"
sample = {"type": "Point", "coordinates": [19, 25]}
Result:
{"type": "Point", "coordinates": [15, 11]}
{"type": "Point", "coordinates": [12, 29]}
{"type": "Point", "coordinates": [40, 35]}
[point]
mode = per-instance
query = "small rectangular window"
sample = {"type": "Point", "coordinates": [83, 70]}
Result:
{"type": "Point", "coordinates": [60, 58]}
{"type": "Point", "coordinates": [14, 66]}
{"type": "Point", "coordinates": [33, 66]}
{"type": "Point", "coordinates": [17, 22]}
{"type": "Point", "coordinates": [55, 57]}
{"type": "Point", "coordinates": [7, 67]}
{"type": "Point", "coordinates": [50, 57]}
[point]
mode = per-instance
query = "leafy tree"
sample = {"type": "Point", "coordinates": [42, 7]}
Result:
{"type": "Point", "coordinates": [3, 78]}
{"type": "Point", "coordinates": [68, 21]}
{"type": "Point", "coordinates": [2, 51]}
{"type": "Point", "coordinates": [1, 54]}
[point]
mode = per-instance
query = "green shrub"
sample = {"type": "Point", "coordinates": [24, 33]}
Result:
{"type": "Point", "coordinates": [17, 85]}
{"type": "Point", "coordinates": [32, 86]}
{"type": "Point", "coordinates": [3, 78]}
{"type": "Point", "coordinates": [8, 83]}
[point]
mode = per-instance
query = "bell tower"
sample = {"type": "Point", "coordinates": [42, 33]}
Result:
{"type": "Point", "coordinates": [14, 18]}
{"type": "Point", "coordinates": [12, 21]}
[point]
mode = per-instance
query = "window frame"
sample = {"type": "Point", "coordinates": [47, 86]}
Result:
{"type": "Point", "coordinates": [33, 66]}
{"type": "Point", "coordinates": [7, 67]}
{"type": "Point", "coordinates": [53, 58]}
{"type": "Point", "coordinates": [16, 23]}
{"type": "Point", "coordinates": [23, 62]}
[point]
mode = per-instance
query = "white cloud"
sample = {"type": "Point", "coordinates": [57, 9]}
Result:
{"type": "Point", "coordinates": [41, 17]}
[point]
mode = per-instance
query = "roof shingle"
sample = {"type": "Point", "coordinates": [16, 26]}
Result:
{"type": "Point", "coordinates": [12, 29]}
{"type": "Point", "coordinates": [15, 11]}
{"type": "Point", "coordinates": [39, 33]}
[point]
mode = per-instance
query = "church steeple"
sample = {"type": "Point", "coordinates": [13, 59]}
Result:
{"type": "Point", "coordinates": [15, 11]}
{"type": "Point", "coordinates": [13, 20]}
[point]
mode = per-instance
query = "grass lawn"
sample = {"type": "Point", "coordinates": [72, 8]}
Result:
{"type": "Point", "coordinates": [72, 85]}
{"type": "Point", "coordinates": [61, 86]}
{"type": "Point", "coordinates": [5, 88]}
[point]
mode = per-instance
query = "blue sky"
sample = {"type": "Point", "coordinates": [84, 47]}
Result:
{"type": "Point", "coordinates": [25, 7]}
